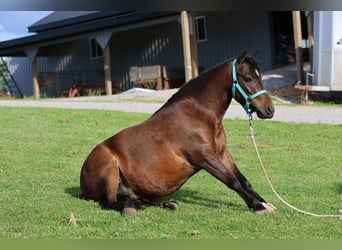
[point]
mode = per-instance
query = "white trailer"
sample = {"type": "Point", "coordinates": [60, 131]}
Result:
{"type": "Point", "coordinates": [327, 51]}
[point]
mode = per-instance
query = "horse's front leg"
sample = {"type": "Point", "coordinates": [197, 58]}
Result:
{"type": "Point", "coordinates": [227, 172]}
{"type": "Point", "coordinates": [248, 187]}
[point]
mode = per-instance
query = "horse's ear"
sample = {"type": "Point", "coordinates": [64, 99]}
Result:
{"type": "Point", "coordinates": [241, 58]}
{"type": "Point", "coordinates": [256, 54]}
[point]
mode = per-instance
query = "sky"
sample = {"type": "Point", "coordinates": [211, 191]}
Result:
{"type": "Point", "coordinates": [13, 24]}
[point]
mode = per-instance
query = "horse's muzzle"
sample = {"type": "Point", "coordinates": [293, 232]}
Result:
{"type": "Point", "coordinates": [265, 113]}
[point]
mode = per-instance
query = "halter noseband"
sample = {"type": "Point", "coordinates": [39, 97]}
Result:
{"type": "Point", "coordinates": [237, 86]}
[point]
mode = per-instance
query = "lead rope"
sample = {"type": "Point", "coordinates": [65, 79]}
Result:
{"type": "Point", "coordinates": [339, 216]}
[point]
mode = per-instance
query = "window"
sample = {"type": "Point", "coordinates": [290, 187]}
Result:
{"type": "Point", "coordinates": [201, 29]}
{"type": "Point", "coordinates": [95, 49]}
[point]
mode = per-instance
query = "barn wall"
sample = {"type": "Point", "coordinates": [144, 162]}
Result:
{"type": "Point", "coordinates": [230, 33]}
{"type": "Point", "coordinates": [64, 64]}
{"type": "Point", "coordinates": [21, 70]}
{"type": "Point", "coordinates": [69, 63]}
{"type": "Point", "coordinates": [153, 45]}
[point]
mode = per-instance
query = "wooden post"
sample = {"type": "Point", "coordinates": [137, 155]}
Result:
{"type": "Point", "coordinates": [107, 71]}
{"type": "Point", "coordinates": [186, 45]}
{"type": "Point", "coordinates": [310, 21]}
{"type": "Point", "coordinates": [36, 90]}
{"type": "Point", "coordinates": [297, 30]}
{"type": "Point", "coordinates": [193, 46]}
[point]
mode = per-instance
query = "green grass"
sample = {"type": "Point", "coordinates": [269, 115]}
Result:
{"type": "Point", "coordinates": [42, 150]}
{"type": "Point", "coordinates": [327, 104]}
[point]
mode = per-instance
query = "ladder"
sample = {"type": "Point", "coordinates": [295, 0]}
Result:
{"type": "Point", "coordinates": [8, 80]}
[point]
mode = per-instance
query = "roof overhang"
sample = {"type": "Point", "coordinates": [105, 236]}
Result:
{"type": "Point", "coordinates": [40, 41]}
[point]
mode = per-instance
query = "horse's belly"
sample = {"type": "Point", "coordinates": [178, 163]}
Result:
{"type": "Point", "coordinates": [151, 161]}
{"type": "Point", "coordinates": [158, 180]}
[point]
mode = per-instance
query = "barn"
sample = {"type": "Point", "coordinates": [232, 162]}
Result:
{"type": "Point", "coordinates": [100, 49]}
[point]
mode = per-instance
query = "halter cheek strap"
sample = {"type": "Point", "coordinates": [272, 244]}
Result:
{"type": "Point", "coordinates": [236, 86]}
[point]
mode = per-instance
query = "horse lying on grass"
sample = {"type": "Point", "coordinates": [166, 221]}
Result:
{"type": "Point", "coordinates": [155, 158]}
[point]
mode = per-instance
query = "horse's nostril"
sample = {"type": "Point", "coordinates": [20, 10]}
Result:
{"type": "Point", "coordinates": [270, 109]}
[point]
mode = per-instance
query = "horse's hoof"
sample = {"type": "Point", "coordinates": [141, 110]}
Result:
{"type": "Point", "coordinates": [171, 205]}
{"type": "Point", "coordinates": [129, 211]}
{"type": "Point", "coordinates": [269, 209]}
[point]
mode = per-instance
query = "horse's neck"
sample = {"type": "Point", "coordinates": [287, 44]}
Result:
{"type": "Point", "coordinates": [210, 90]}
{"type": "Point", "coordinates": [215, 95]}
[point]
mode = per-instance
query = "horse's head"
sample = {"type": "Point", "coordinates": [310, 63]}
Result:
{"type": "Point", "coordinates": [248, 89]}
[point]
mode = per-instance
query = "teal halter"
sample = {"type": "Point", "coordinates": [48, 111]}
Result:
{"type": "Point", "coordinates": [237, 86]}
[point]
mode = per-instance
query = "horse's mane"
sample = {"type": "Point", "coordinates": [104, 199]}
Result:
{"type": "Point", "coordinates": [200, 81]}
{"type": "Point", "coordinates": [197, 82]}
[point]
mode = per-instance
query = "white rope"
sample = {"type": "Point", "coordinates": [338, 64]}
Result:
{"type": "Point", "coordinates": [339, 216]}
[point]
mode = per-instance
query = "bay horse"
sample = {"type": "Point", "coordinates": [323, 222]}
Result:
{"type": "Point", "coordinates": [155, 158]}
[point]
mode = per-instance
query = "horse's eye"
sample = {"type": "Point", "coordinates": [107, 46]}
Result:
{"type": "Point", "coordinates": [247, 78]}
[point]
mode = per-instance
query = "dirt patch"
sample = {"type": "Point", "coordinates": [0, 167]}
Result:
{"type": "Point", "coordinates": [291, 94]}
{"type": "Point", "coordinates": [287, 94]}
{"type": "Point", "coordinates": [4, 94]}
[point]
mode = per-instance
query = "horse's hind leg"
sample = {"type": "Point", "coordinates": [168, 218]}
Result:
{"type": "Point", "coordinates": [111, 186]}
{"type": "Point", "coordinates": [114, 189]}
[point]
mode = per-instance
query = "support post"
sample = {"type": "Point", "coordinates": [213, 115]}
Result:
{"type": "Point", "coordinates": [36, 91]}
{"type": "Point", "coordinates": [107, 73]}
{"type": "Point", "coordinates": [186, 45]}
{"type": "Point", "coordinates": [193, 46]}
{"type": "Point", "coordinates": [297, 30]}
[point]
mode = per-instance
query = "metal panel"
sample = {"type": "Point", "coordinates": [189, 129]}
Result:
{"type": "Point", "coordinates": [21, 70]}
{"type": "Point", "coordinates": [322, 53]}
{"type": "Point", "coordinates": [327, 54]}
{"type": "Point", "coordinates": [70, 63]}
{"type": "Point", "coordinates": [154, 45]}
{"type": "Point", "coordinates": [66, 64]}
{"type": "Point", "coordinates": [230, 33]}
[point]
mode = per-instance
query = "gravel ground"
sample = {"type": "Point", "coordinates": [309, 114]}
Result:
{"type": "Point", "coordinates": [126, 103]}
{"type": "Point", "coordinates": [150, 101]}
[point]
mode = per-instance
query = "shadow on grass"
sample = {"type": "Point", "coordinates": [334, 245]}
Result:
{"type": "Point", "coordinates": [73, 191]}
{"type": "Point", "coordinates": [183, 195]}
{"type": "Point", "coordinates": [338, 187]}
{"type": "Point", "coordinates": [195, 197]}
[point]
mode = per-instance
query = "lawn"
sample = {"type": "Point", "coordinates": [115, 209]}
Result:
{"type": "Point", "coordinates": [42, 150]}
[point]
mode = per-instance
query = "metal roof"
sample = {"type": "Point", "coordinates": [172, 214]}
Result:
{"type": "Point", "coordinates": [59, 19]}
{"type": "Point", "coordinates": [67, 25]}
